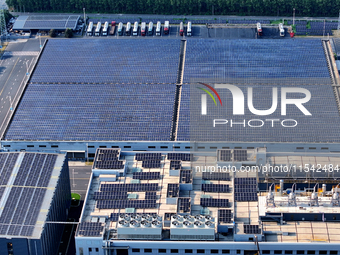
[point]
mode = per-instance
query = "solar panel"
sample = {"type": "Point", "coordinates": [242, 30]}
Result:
{"type": "Point", "coordinates": [146, 175]}
{"type": "Point", "coordinates": [122, 204]}
{"type": "Point", "coordinates": [224, 216]}
{"type": "Point", "coordinates": [150, 195]}
{"type": "Point", "coordinates": [90, 229]}
{"type": "Point", "coordinates": [184, 204]}
{"type": "Point", "coordinates": [129, 187]}
{"type": "Point", "coordinates": [214, 202]}
{"type": "Point", "coordinates": [215, 188]}
{"type": "Point", "coordinates": [240, 155]}
{"type": "Point", "coordinates": [175, 164]}
{"type": "Point", "coordinates": [109, 195]}
{"type": "Point", "coordinates": [225, 155]}
{"type": "Point", "coordinates": [251, 229]}
{"type": "Point", "coordinates": [173, 190]}
{"type": "Point", "coordinates": [148, 156]}
{"type": "Point", "coordinates": [217, 176]}
{"type": "Point", "coordinates": [151, 164]}
{"type": "Point", "coordinates": [180, 156]}
{"type": "Point", "coordinates": [245, 189]}
{"type": "Point", "coordinates": [7, 162]}
{"type": "Point", "coordinates": [114, 217]}
{"type": "Point", "coordinates": [186, 176]}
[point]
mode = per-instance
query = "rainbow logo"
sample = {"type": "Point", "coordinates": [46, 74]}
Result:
{"type": "Point", "coordinates": [209, 93]}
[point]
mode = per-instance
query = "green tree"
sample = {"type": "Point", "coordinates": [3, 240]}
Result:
{"type": "Point", "coordinates": [68, 33]}
{"type": "Point", "coordinates": [52, 33]}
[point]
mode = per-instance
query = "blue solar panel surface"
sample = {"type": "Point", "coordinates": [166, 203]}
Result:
{"type": "Point", "coordinates": [24, 202]}
{"type": "Point", "coordinates": [260, 64]}
{"type": "Point", "coordinates": [94, 112]}
{"type": "Point", "coordinates": [102, 61]}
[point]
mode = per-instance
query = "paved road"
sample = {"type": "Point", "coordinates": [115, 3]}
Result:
{"type": "Point", "coordinates": [18, 59]}
{"type": "Point", "coordinates": [79, 177]}
{"type": "Point", "coordinates": [155, 16]}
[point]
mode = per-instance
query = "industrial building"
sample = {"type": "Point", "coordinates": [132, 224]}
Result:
{"type": "Point", "coordinates": [212, 203]}
{"type": "Point", "coordinates": [31, 23]}
{"type": "Point", "coordinates": [34, 193]}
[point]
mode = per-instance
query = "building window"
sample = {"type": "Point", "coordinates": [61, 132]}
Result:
{"type": "Point", "coordinates": [322, 252]}
{"type": "Point", "coordinates": [42, 146]}
{"type": "Point", "coordinates": [151, 147]}
{"type": "Point", "coordinates": [135, 250]}
{"type": "Point", "coordinates": [97, 249]}
{"type": "Point", "coordinates": [188, 251]}
{"type": "Point", "coordinates": [300, 252]}
{"type": "Point", "coordinates": [90, 249]}
{"type": "Point", "coordinates": [174, 250]}
{"type": "Point", "coordinates": [225, 251]}
{"type": "Point", "coordinates": [30, 146]}
{"type": "Point", "coordinates": [310, 252]}
{"type": "Point", "coordinates": [200, 251]}
{"type": "Point", "coordinates": [147, 250]}
{"type": "Point", "coordinates": [54, 146]}
{"type": "Point", "coordinates": [266, 252]}
{"type": "Point", "coordinates": [277, 252]}
{"type": "Point", "coordinates": [214, 251]}
{"type": "Point", "coordinates": [333, 252]}
{"type": "Point", "coordinates": [102, 146]}
{"type": "Point", "coordinates": [81, 251]}
{"type": "Point", "coordinates": [127, 147]}
{"type": "Point", "coordinates": [288, 252]}
{"type": "Point", "coordinates": [238, 251]}
{"type": "Point", "coordinates": [161, 250]}
{"type": "Point", "coordinates": [10, 248]}
{"type": "Point", "coordinates": [164, 147]}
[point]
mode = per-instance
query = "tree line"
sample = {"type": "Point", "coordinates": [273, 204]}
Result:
{"type": "Point", "coordinates": [328, 8]}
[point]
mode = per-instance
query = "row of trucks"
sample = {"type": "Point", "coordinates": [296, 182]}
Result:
{"type": "Point", "coordinates": [105, 30]}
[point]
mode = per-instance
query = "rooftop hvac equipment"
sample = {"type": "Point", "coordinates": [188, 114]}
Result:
{"type": "Point", "coordinates": [145, 223]}
{"type": "Point", "coordinates": [195, 227]}
{"type": "Point", "coordinates": [189, 218]}
{"type": "Point", "coordinates": [135, 223]}
{"type": "Point", "coordinates": [123, 223]}
{"type": "Point", "coordinates": [292, 197]}
{"type": "Point", "coordinates": [136, 217]}
{"type": "Point", "coordinates": [156, 224]}
{"type": "Point", "coordinates": [187, 224]}
{"type": "Point", "coordinates": [177, 217]}
{"type": "Point", "coordinates": [146, 217]}
{"type": "Point", "coordinates": [156, 217]}
{"type": "Point", "coordinates": [314, 199]}
{"type": "Point", "coordinates": [335, 201]}
{"type": "Point", "coordinates": [270, 197]}
{"type": "Point", "coordinates": [124, 216]}
{"type": "Point", "coordinates": [176, 224]}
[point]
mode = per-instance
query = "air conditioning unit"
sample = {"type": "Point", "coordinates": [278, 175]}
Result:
{"type": "Point", "coordinates": [156, 224]}
{"type": "Point", "coordinates": [146, 217]}
{"type": "Point", "coordinates": [176, 224]}
{"type": "Point", "coordinates": [145, 223]}
{"type": "Point", "coordinates": [123, 223]}
{"type": "Point", "coordinates": [177, 217]}
{"type": "Point", "coordinates": [134, 223]}
{"type": "Point", "coordinates": [198, 224]}
{"type": "Point", "coordinates": [189, 218]}
{"type": "Point", "coordinates": [136, 217]}
{"type": "Point", "coordinates": [187, 224]}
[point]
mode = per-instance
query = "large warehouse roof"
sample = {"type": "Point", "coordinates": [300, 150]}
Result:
{"type": "Point", "coordinates": [27, 183]}
{"type": "Point", "coordinates": [46, 22]}
{"type": "Point", "coordinates": [127, 91]}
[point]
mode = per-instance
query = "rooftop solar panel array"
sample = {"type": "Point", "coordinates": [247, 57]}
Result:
{"type": "Point", "coordinates": [251, 229]}
{"type": "Point", "coordinates": [85, 61]}
{"type": "Point", "coordinates": [151, 164]}
{"type": "Point", "coordinates": [115, 112]}
{"type": "Point", "coordinates": [146, 175]}
{"type": "Point", "coordinates": [225, 155]}
{"type": "Point", "coordinates": [129, 187]}
{"type": "Point", "coordinates": [224, 216]}
{"type": "Point", "coordinates": [217, 176]}
{"type": "Point", "coordinates": [26, 196]}
{"type": "Point", "coordinates": [214, 202]}
{"type": "Point", "coordinates": [122, 204]}
{"type": "Point", "coordinates": [180, 156]}
{"type": "Point", "coordinates": [245, 189]}
{"type": "Point", "coordinates": [108, 159]}
{"type": "Point", "coordinates": [184, 205]}
{"type": "Point", "coordinates": [85, 92]}
{"type": "Point", "coordinates": [261, 65]}
{"type": "Point", "coordinates": [240, 155]}
{"type": "Point", "coordinates": [150, 195]}
{"type": "Point", "coordinates": [186, 176]}
{"type": "Point", "coordinates": [175, 164]}
{"type": "Point", "coordinates": [215, 188]}
{"type": "Point", "coordinates": [109, 195]}
{"type": "Point", "coordinates": [7, 162]}
{"type": "Point", "coordinates": [173, 190]}
{"type": "Point", "coordinates": [94, 229]}
{"type": "Point", "coordinates": [148, 156]}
